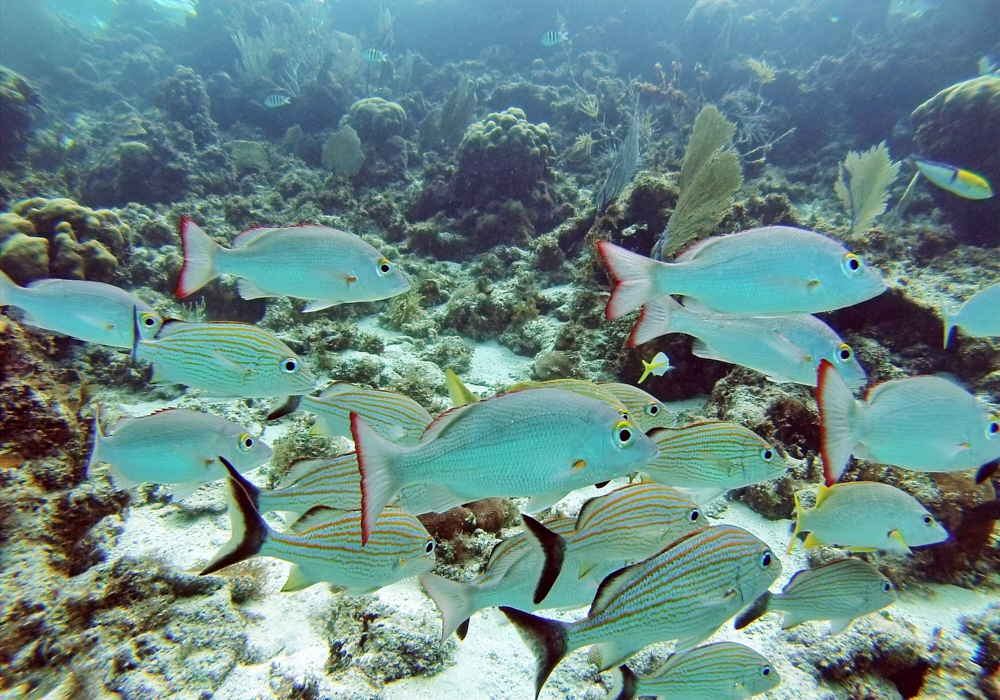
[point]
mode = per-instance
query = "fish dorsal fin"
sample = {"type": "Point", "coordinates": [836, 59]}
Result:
{"type": "Point", "coordinates": [443, 421]}
{"type": "Point", "coordinates": [788, 586]}
{"type": "Point", "coordinates": [459, 394]}
{"type": "Point", "coordinates": [696, 248]}
{"type": "Point", "coordinates": [824, 493]}
{"type": "Point", "coordinates": [169, 327]}
{"type": "Point", "coordinates": [501, 551]}
{"type": "Point", "coordinates": [590, 506]}
{"type": "Point", "coordinates": [316, 517]}
{"type": "Point", "coordinates": [613, 583]}
{"type": "Point", "coordinates": [336, 388]}
{"type": "Point", "coordinates": [245, 238]}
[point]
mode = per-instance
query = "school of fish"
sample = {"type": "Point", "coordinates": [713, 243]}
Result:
{"type": "Point", "coordinates": [644, 557]}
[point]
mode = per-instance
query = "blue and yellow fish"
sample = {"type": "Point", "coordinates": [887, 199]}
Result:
{"type": "Point", "coordinates": [964, 183]}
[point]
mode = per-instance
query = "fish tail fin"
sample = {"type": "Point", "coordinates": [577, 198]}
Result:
{"type": "Point", "coordinates": [553, 550]}
{"type": "Point", "coordinates": [624, 684]}
{"type": "Point", "coordinates": [647, 367]}
{"type": "Point", "coordinates": [459, 394]}
{"type": "Point", "coordinates": [949, 323]}
{"type": "Point", "coordinates": [7, 288]}
{"type": "Point", "coordinates": [798, 523]}
{"type": "Point", "coordinates": [378, 460]}
{"type": "Point", "coordinates": [654, 320]}
{"type": "Point", "coordinates": [199, 258]}
{"type": "Point", "coordinates": [838, 414]}
{"type": "Point", "coordinates": [455, 600]}
{"type": "Point", "coordinates": [547, 640]}
{"type": "Point", "coordinates": [753, 611]}
{"type": "Point", "coordinates": [290, 405]}
{"type": "Point", "coordinates": [250, 532]}
{"type": "Point", "coordinates": [99, 437]}
{"type": "Point", "coordinates": [633, 275]}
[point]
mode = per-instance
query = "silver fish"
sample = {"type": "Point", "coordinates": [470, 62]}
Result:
{"type": "Point", "coordinates": [644, 408]}
{"type": "Point", "coordinates": [979, 316]}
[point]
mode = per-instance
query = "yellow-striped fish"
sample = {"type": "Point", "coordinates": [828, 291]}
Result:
{"type": "Point", "coordinates": [712, 457]}
{"type": "Point", "coordinates": [964, 183]}
{"type": "Point", "coordinates": [686, 592]}
{"type": "Point", "coordinates": [658, 366]}
{"type": "Point", "coordinates": [224, 359]}
{"type": "Point", "coordinates": [840, 592]}
{"type": "Point", "coordinates": [325, 544]}
{"type": "Point", "coordinates": [334, 483]}
{"type": "Point", "coordinates": [579, 386]}
{"type": "Point", "coordinates": [632, 523]}
{"type": "Point", "coordinates": [395, 417]}
{"type": "Point", "coordinates": [721, 671]}
{"type": "Point", "coordinates": [644, 408]}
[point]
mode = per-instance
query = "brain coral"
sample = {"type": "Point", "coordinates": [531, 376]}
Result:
{"type": "Point", "coordinates": [376, 119]}
{"type": "Point", "coordinates": [504, 156]}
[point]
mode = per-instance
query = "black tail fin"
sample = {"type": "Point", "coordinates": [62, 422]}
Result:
{"type": "Point", "coordinates": [553, 548]}
{"type": "Point", "coordinates": [753, 611]}
{"type": "Point", "coordinates": [987, 470]}
{"type": "Point", "coordinates": [290, 405]}
{"type": "Point", "coordinates": [624, 684]}
{"type": "Point", "coordinates": [984, 512]}
{"type": "Point", "coordinates": [545, 638]}
{"type": "Point", "coordinates": [249, 529]}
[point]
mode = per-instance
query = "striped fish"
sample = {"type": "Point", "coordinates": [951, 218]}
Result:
{"type": "Point", "coordinates": [325, 544]}
{"type": "Point", "coordinates": [840, 592]}
{"type": "Point", "coordinates": [395, 417]}
{"type": "Point", "coordinates": [686, 592]}
{"type": "Point", "coordinates": [334, 483]}
{"type": "Point", "coordinates": [712, 457]}
{"type": "Point", "coordinates": [529, 569]}
{"type": "Point", "coordinates": [722, 671]}
{"type": "Point", "coordinates": [644, 408]}
{"type": "Point", "coordinates": [582, 387]}
{"type": "Point", "coordinates": [224, 359]}
{"type": "Point", "coordinates": [632, 522]}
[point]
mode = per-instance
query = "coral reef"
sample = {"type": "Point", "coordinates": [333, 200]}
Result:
{"type": "Point", "coordinates": [17, 97]}
{"type": "Point", "coordinates": [375, 120]}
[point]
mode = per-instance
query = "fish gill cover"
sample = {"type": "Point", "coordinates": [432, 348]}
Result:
{"type": "Point", "coordinates": [379, 211]}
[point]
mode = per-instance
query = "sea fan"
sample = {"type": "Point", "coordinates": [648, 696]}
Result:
{"type": "Point", "coordinates": [863, 185]}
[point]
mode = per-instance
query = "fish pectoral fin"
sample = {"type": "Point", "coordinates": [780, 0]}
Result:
{"type": "Point", "coordinates": [249, 290]}
{"type": "Point", "coordinates": [319, 305]}
{"type": "Point", "coordinates": [691, 641]}
{"type": "Point", "coordinates": [701, 496]}
{"type": "Point", "coordinates": [792, 620]}
{"type": "Point", "coordinates": [838, 626]}
{"type": "Point", "coordinates": [897, 543]}
{"type": "Point", "coordinates": [178, 492]}
{"type": "Point", "coordinates": [586, 566]}
{"type": "Point", "coordinates": [297, 580]}
{"type": "Point", "coordinates": [542, 501]}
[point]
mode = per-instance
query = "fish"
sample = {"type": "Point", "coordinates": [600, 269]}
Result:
{"type": "Point", "coordinates": [276, 100]}
{"type": "Point", "coordinates": [632, 522]}
{"type": "Point", "coordinates": [658, 366]}
{"type": "Point", "coordinates": [533, 442]}
{"type": "Point", "coordinates": [174, 446]}
{"type": "Point", "coordinates": [925, 423]}
{"type": "Point", "coordinates": [866, 516]}
{"type": "Point", "coordinates": [331, 482]}
{"type": "Point", "coordinates": [374, 56]}
{"type": "Point", "coordinates": [644, 408]}
{"type": "Point", "coordinates": [395, 417]}
{"type": "Point", "coordinates": [785, 349]}
{"type": "Point", "coordinates": [528, 569]}
{"type": "Point", "coordinates": [323, 544]}
{"type": "Point", "coordinates": [458, 393]}
{"type": "Point", "coordinates": [979, 316]}
{"type": "Point", "coordinates": [964, 183]}
{"type": "Point", "coordinates": [554, 37]}
{"type": "Point", "coordinates": [322, 264]}
{"type": "Point", "coordinates": [840, 592]}
{"type": "Point", "coordinates": [712, 457]}
{"type": "Point", "coordinates": [90, 311]}
{"type": "Point", "coordinates": [686, 592]}
{"type": "Point", "coordinates": [224, 359]}
{"type": "Point", "coordinates": [579, 386]}
{"type": "Point", "coordinates": [720, 671]}
{"type": "Point", "coordinates": [774, 270]}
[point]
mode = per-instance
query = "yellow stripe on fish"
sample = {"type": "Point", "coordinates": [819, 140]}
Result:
{"type": "Point", "coordinates": [644, 408]}
{"type": "Point", "coordinates": [334, 483]}
{"type": "Point", "coordinates": [964, 183]}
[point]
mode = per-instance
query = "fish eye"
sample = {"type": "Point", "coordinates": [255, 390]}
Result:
{"type": "Point", "coordinates": [624, 434]}
{"type": "Point", "coordinates": [928, 520]}
{"type": "Point", "coordinates": [652, 409]}
{"type": "Point", "coordinates": [767, 454]}
{"type": "Point", "coordinates": [384, 267]}
{"type": "Point", "coordinates": [766, 671]}
{"type": "Point", "coordinates": [246, 442]}
{"type": "Point", "coordinates": [765, 561]}
{"type": "Point", "coordinates": [290, 365]}
{"type": "Point", "coordinates": [429, 547]}
{"type": "Point", "coordinates": [992, 428]}
{"type": "Point", "coordinates": [148, 320]}
{"type": "Point", "coordinates": [852, 264]}
{"type": "Point", "coordinates": [844, 352]}
{"type": "Point", "coordinates": [886, 586]}
{"type": "Point", "coordinates": [695, 514]}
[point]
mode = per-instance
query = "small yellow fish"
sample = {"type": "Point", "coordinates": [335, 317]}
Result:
{"type": "Point", "coordinates": [964, 183]}
{"type": "Point", "coordinates": [658, 366]}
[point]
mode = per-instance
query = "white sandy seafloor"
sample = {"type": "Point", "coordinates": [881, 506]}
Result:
{"type": "Point", "coordinates": [286, 631]}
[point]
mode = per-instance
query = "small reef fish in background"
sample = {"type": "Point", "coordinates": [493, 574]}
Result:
{"type": "Point", "coordinates": [774, 270]}
{"type": "Point", "coordinates": [721, 671]}
{"type": "Point", "coordinates": [686, 592]}
{"type": "Point", "coordinates": [323, 545]}
{"type": "Point", "coordinates": [644, 408]}
{"type": "Point", "coordinates": [979, 316]}
{"type": "Point", "coordinates": [396, 417]}
{"type": "Point", "coordinates": [539, 442]}
{"type": "Point", "coordinates": [782, 348]}
{"type": "Point", "coordinates": [711, 458]}
{"type": "Point", "coordinates": [90, 311]}
{"type": "Point", "coordinates": [374, 56]}
{"type": "Point", "coordinates": [276, 100]}
{"type": "Point", "coordinates": [866, 516]}
{"type": "Point", "coordinates": [174, 446]}
{"type": "Point", "coordinates": [840, 592]}
{"type": "Point", "coordinates": [658, 366]}
{"type": "Point", "coordinates": [957, 181]}
{"type": "Point", "coordinates": [926, 424]}
{"type": "Point", "coordinates": [224, 359]}
{"type": "Point", "coordinates": [322, 264]}
{"type": "Point", "coordinates": [554, 38]}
